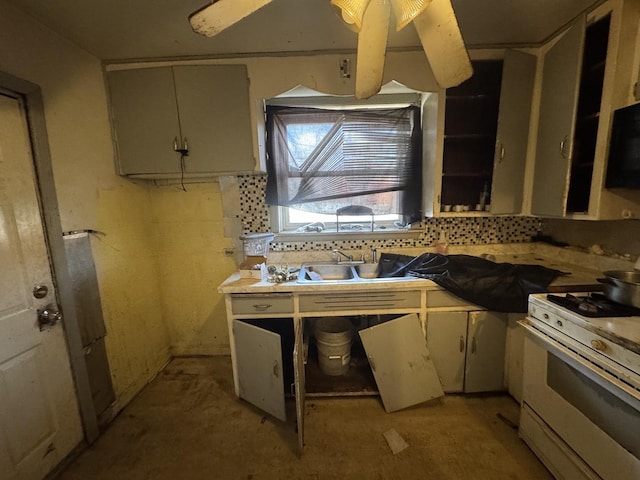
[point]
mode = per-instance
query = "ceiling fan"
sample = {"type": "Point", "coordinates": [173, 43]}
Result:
{"type": "Point", "coordinates": [434, 20]}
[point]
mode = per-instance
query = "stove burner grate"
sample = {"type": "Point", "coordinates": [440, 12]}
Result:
{"type": "Point", "coordinates": [594, 305]}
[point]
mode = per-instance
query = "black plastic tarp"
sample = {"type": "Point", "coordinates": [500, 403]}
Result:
{"type": "Point", "coordinates": [502, 287]}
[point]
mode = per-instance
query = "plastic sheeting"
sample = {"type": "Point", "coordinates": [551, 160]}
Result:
{"type": "Point", "coordinates": [502, 287]}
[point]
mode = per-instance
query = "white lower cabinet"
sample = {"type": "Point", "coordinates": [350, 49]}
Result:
{"type": "Point", "coordinates": [272, 347]}
{"type": "Point", "coordinates": [269, 348]}
{"type": "Point", "coordinates": [259, 360]}
{"type": "Point", "coordinates": [467, 348]}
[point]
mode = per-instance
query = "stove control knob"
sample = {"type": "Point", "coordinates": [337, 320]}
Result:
{"type": "Point", "coordinates": [599, 345]}
{"type": "Point", "coordinates": [559, 323]}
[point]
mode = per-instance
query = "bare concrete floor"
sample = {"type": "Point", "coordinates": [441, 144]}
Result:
{"type": "Point", "coordinates": [188, 424]}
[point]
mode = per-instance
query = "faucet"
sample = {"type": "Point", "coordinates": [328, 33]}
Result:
{"type": "Point", "coordinates": [349, 258]}
{"type": "Point", "coordinates": [339, 253]}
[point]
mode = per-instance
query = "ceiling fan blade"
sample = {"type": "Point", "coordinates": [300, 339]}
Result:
{"type": "Point", "coordinates": [372, 46]}
{"type": "Point", "coordinates": [442, 42]}
{"type": "Point", "coordinates": [215, 17]}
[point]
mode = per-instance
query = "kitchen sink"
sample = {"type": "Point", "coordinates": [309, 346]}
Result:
{"type": "Point", "coordinates": [367, 270]}
{"type": "Point", "coordinates": [324, 272]}
{"type": "Point", "coordinates": [319, 273]}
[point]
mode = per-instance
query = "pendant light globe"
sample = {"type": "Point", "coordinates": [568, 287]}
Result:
{"type": "Point", "coordinates": [406, 10]}
{"type": "Point", "coordinates": [351, 12]}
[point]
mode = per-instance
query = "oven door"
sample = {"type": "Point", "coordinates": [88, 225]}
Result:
{"type": "Point", "coordinates": [581, 406]}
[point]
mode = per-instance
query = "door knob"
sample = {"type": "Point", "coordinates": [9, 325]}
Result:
{"type": "Point", "coordinates": [48, 316]}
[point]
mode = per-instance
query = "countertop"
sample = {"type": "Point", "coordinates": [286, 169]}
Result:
{"type": "Point", "coordinates": [236, 284]}
{"type": "Point", "coordinates": [579, 278]}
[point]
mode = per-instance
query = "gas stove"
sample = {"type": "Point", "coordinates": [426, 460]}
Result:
{"type": "Point", "coordinates": [594, 305]}
{"type": "Point", "coordinates": [581, 389]}
{"type": "Point", "coordinates": [605, 328]}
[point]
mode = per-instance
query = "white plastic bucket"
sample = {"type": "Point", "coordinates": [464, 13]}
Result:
{"type": "Point", "coordinates": [333, 337]}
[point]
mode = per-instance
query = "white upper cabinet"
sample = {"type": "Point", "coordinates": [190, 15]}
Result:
{"type": "Point", "coordinates": [561, 75]}
{"type": "Point", "coordinates": [484, 132]}
{"type": "Point", "coordinates": [203, 109]}
{"type": "Point", "coordinates": [586, 77]}
{"type": "Point", "coordinates": [516, 97]}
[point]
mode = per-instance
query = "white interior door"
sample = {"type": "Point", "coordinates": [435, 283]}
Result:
{"type": "Point", "coordinates": [39, 418]}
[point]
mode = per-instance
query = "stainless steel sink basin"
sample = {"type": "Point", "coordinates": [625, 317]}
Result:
{"type": "Point", "coordinates": [319, 273]}
{"type": "Point", "coordinates": [325, 272]}
{"type": "Point", "coordinates": [367, 270]}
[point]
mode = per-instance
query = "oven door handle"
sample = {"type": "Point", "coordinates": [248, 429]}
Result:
{"type": "Point", "coordinates": [600, 376]}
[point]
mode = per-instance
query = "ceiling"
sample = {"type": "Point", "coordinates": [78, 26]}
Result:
{"type": "Point", "coordinates": [116, 30]}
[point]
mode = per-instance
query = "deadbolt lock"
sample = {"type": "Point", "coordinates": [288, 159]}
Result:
{"type": "Point", "coordinates": [40, 291]}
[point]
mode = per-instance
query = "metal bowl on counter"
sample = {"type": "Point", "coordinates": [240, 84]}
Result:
{"type": "Point", "coordinates": [622, 286]}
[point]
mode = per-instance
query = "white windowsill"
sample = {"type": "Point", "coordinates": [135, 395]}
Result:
{"type": "Point", "coordinates": [328, 235]}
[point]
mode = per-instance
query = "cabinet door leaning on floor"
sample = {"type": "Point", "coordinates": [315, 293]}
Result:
{"type": "Point", "coordinates": [398, 356]}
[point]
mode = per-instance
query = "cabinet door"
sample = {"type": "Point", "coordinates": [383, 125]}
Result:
{"type": "Point", "coordinates": [145, 120]}
{"type": "Point", "coordinates": [561, 74]}
{"type": "Point", "coordinates": [486, 339]}
{"type": "Point", "coordinates": [214, 116]}
{"type": "Point", "coordinates": [299, 379]}
{"type": "Point", "coordinates": [516, 95]}
{"type": "Point", "coordinates": [447, 340]}
{"type": "Point", "coordinates": [401, 363]}
{"type": "Point", "coordinates": [259, 365]}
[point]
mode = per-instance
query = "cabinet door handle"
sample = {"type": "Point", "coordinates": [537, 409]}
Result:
{"type": "Point", "coordinates": [473, 344]}
{"type": "Point", "coordinates": [371, 362]}
{"type": "Point", "coordinates": [563, 144]}
{"type": "Point", "coordinates": [461, 343]}
{"type": "Point", "coordinates": [261, 307]}
{"type": "Point", "coordinates": [275, 369]}
{"type": "Point", "coordinates": [501, 153]}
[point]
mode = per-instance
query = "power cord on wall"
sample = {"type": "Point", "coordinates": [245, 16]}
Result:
{"type": "Point", "coordinates": [182, 157]}
{"type": "Point", "coordinates": [183, 150]}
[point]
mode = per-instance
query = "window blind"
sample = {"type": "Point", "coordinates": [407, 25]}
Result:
{"type": "Point", "coordinates": [315, 154]}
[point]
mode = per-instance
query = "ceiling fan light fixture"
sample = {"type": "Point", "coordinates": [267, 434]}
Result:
{"type": "Point", "coordinates": [351, 11]}
{"type": "Point", "coordinates": [443, 44]}
{"type": "Point", "coordinates": [406, 10]}
{"type": "Point", "coordinates": [372, 45]}
{"type": "Point", "coordinates": [221, 14]}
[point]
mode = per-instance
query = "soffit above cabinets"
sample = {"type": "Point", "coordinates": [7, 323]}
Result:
{"type": "Point", "coordinates": [148, 29]}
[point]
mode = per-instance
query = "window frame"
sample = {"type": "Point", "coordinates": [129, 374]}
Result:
{"type": "Point", "coordinates": [280, 222]}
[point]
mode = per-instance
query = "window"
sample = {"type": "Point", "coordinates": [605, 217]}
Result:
{"type": "Point", "coordinates": [321, 160]}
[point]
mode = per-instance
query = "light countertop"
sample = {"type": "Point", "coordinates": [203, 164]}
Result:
{"type": "Point", "coordinates": [581, 277]}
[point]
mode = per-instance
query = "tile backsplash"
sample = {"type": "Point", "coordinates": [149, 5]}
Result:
{"type": "Point", "coordinates": [254, 217]}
